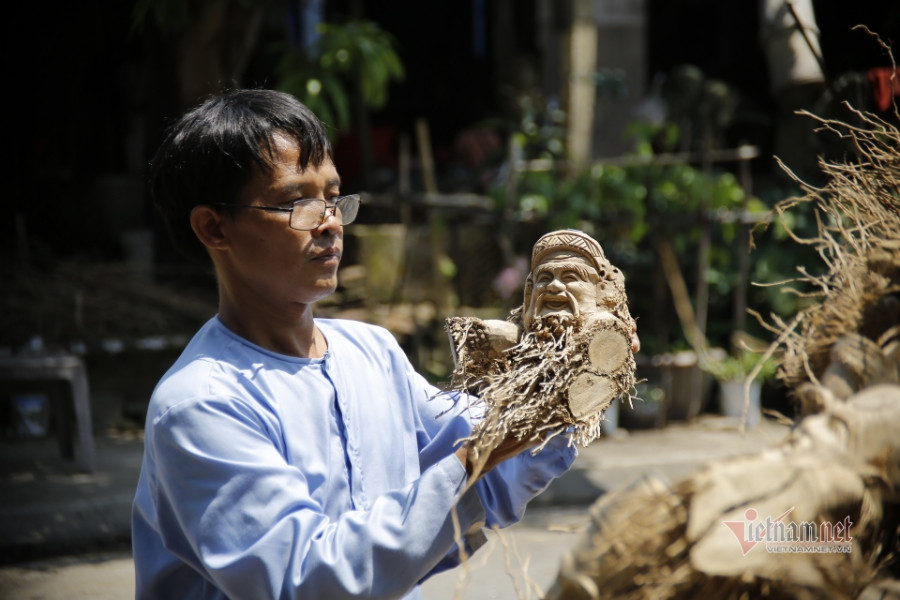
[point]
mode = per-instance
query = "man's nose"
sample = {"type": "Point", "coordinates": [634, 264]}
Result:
{"type": "Point", "coordinates": [331, 221]}
{"type": "Point", "coordinates": [331, 212]}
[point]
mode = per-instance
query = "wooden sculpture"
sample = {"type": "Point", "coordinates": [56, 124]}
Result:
{"type": "Point", "coordinates": [560, 359]}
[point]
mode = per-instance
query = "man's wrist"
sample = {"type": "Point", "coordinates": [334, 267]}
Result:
{"type": "Point", "coordinates": [462, 454]}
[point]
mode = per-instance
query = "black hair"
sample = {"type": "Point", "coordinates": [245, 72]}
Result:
{"type": "Point", "coordinates": [210, 153]}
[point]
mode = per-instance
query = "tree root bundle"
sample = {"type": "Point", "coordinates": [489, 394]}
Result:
{"type": "Point", "coordinates": [858, 213]}
{"type": "Point", "coordinates": [562, 375]}
{"type": "Point", "coordinates": [683, 541]}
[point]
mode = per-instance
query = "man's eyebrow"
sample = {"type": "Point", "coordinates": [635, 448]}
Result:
{"type": "Point", "coordinates": [299, 186]}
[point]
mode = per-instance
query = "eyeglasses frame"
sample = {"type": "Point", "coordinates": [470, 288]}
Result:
{"type": "Point", "coordinates": [333, 208]}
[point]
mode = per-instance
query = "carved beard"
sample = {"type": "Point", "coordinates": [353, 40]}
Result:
{"type": "Point", "coordinates": [554, 325]}
{"type": "Point", "coordinates": [556, 378]}
{"type": "Point", "coordinates": [523, 394]}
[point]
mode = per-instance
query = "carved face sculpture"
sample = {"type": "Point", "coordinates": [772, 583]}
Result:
{"type": "Point", "coordinates": [564, 276]}
{"type": "Point", "coordinates": [563, 283]}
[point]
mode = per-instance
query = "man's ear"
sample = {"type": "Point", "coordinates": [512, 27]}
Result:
{"type": "Point", "coordinates": [207, 225]}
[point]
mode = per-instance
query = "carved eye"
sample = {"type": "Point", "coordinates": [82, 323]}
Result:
{"type": "Point", "coordinates": [570, 276]}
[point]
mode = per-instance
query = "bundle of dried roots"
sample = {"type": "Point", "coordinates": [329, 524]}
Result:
{"type": "Point", "coordinates": [561, 376]}
{"type": "Point", "coordinates": [850, 337]}
{"type": "Point", "coordinates": [803, 520]}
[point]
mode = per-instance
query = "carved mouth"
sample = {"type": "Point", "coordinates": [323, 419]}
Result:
{"type": "Point", "coordinates": [557, 304]}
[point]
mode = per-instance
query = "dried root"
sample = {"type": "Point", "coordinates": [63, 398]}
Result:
{"type": "Point", "coordinates": [858, 214]}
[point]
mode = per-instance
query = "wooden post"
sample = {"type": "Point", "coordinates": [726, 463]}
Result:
{"type": "Point", "coordinates": [423, 139]}
{"type": "Point", "coordinates": [743, 252]}
{"type": "Point", "coordinates": [580, 66]}
{"type": "Point", "coordinates": [404, 185]}
{"type": "Point", "coordinates": [701, 298]}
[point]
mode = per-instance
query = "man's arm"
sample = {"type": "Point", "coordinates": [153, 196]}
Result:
{"type": "Point", "coordinates": [231, 506]}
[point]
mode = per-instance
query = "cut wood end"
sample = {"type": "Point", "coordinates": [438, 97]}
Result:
{"type": "Point", "coordinates": [590, 394]}
{"type": "Point", "coordinates": [608, 350]}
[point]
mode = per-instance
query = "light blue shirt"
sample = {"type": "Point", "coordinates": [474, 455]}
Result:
{"type": "Point", "coordinates": [270, 476]}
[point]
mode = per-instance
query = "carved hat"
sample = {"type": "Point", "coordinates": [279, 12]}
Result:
{"type": "Point", "coordinates": [571, 240]}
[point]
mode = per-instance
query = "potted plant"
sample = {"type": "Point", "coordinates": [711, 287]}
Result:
{"type": "Point", "coordinates": [740, 377]}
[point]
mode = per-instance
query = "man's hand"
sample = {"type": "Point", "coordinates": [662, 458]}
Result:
{"type": "Point", "coordinates": [507, 449]}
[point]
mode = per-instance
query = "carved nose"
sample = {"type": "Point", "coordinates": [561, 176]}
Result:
{"type": "Point", "coordinates": [556, 286]}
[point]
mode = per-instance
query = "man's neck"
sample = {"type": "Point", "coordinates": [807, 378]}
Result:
{"type": "Point", "coordinates": [296, 335]}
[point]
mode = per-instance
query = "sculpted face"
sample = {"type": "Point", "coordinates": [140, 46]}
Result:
{"type": "Point", "coordinates": [564, 282]}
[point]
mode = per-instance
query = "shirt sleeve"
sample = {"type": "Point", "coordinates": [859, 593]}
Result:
{"type": "Point", "coordinates": [230, 505]}
{"type": "Point", "coordinates": [510, 486]}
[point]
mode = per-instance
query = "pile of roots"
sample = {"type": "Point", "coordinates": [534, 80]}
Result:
{"type": "Point", "coordinates": [855, 319]}
{"type": "Point", "coordinates": [840, 357]}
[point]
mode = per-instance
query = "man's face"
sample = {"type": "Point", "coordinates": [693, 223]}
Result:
{"type": "Point", "coordinates": [274, 265]}
{"type": "Point", "coordinates": [563, 283]}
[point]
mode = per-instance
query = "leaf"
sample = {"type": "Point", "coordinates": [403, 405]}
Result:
{"type": "Point", "coordinates": [339, 99]}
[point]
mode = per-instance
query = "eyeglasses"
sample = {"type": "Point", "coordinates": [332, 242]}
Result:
{"type": "Point", "coordinates": [310, 213]}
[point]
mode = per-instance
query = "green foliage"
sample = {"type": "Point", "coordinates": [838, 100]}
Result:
{"type": "Point", "coordinates": [362, 49]}
{"type": "Point", "coordinates": [737, 368]}
{"type": "Point", "coordinates": [632, 203]}
{"type": "Point", "coordinates": [632, 199]}
{"type": "Point", "coordinates": [354, 57]}
{"type": "Point", "coordinates": [776, 257]}
{"type": "Point", "coordinates": [323, 91]}
{"type": "Point", "coordinates": [357, 54]}
{"type": "Point", "coordinates": [541, 128]}
{"type": "Point", "coordinates": [171, 16]}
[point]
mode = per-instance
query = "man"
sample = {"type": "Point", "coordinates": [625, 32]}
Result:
{"type": "Point", "coordinates": [288, 456]}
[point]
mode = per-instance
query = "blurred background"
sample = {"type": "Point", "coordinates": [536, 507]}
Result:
{"type": "Point", "coordinates": [471, 127]}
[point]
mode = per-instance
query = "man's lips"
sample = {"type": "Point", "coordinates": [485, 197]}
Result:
{"type": "Point", "coordinates": [328, 255]}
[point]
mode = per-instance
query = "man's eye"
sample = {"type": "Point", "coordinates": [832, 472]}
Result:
{"type": "Point", "coordinates": [570, 276]}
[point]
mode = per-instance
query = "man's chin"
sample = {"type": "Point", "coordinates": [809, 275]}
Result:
{"type": "Point", "coordinates": [323, 288]}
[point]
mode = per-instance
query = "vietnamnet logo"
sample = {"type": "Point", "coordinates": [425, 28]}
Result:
{"type": "Point", "coordinates": [781, 536]}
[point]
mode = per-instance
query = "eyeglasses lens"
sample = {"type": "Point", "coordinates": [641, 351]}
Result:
{"type": "Point", "coordinates": [309, 214]}
{"type": "Point", "coordinates": [347, 207]}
